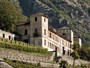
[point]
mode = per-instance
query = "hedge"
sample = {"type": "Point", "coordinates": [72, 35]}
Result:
{"type": "Point", "coordinates": [24, 47]}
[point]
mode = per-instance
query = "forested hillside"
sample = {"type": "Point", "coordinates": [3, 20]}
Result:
{"type": "Point", "coordinates": [72, 13]}
{"type": "Point", "coordinates": [10, 15]}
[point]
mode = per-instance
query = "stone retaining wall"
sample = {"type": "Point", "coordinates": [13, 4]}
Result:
{"type": "Point", "coordinates": [35, 59]}
{"type": "Point", "coordinates": [16, 55]}
{"type": "Point", "coordinates": [26, 57]}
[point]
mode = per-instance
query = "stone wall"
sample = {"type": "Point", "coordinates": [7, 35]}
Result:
{"type": "Point", "coordinates": [16, 55]}
{"type": "Point", "coordinates": [45, 61]}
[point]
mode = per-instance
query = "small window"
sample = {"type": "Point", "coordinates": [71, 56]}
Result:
{"type": "Point", "coordinates": [50, 35]}
{"type": "Point", "coordinates": [35, 18]}
{"type": "Point", "coordinates": [9, 37]}
{"type": "Point", "coordinates": [25, 31]}
{"type": "Point", "coordinates": [3, 35]}
{"type": "Point", "coordinates": [44, 42]}
{"type": "Point", "coordinates": [44, 20]}
{"type": "Point", "coordinates": [44, 32]}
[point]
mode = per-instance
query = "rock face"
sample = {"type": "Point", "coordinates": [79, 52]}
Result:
{"type": "Point", "coordinates": [76, 12]}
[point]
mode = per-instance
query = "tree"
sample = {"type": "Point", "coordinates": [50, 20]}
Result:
{"type": "Point", "coordinates": [85, 53]}
{"type": "Point", "coordinates": [75, 55]}
{"type": "Point", "coordinates": [76, 47]}
{"type": "Point", "coordinates": [9, 15]}
{"type": "Point", "coordinates": [63, 64]}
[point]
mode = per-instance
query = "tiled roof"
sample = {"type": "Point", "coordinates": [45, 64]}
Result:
{"type": "Point", "coordinates": [24, 23]}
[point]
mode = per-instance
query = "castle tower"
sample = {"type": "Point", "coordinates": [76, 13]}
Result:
{"type": "Point", "coordinates": [68, 33]}
{"type": "Point", "coordinates": [38, 29]}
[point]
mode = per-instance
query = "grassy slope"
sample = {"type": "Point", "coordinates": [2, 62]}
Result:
{"type": "Point", "coordinates": [18, 64]}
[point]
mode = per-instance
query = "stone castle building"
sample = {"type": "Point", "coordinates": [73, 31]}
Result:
{"type": "Point", "coordinates": [37, 32]}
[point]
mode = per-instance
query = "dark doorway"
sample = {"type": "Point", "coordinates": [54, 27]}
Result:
{"type": "Point", "coordinates": [63, 51]}
{"type": "Point", "coordinates": [55, 51]}
{"type": "Point", "coordinates": [36, 33]}
{"type": "Point", "coordinates": [3, 35]}
{"type": "Point", "coordinates": [26, 32]}
{"type": "Point", "coordinates": [68, 52]}
{"type": "Point", "coordinates": [26, 41]}
{"type": "Point", "coordinates": [9, 37]}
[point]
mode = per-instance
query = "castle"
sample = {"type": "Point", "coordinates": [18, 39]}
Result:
{"type": "Point", "coordinates": [37, 32]}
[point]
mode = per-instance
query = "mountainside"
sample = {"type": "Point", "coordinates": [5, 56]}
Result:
{"type": "Point", "coordinates": [72, 13]}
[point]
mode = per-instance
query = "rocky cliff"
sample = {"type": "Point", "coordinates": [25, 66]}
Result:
{"type": "Point", "coordinates": [72, 13]}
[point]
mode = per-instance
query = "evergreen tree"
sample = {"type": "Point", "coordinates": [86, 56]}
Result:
{"type": "Point", "coordinates": [75, 56]}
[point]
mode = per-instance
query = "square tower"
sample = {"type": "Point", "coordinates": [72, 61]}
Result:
{"type": "Point", "coordinates": [68, 33]}
{"type": "Point", "coordinates": [38, 28]}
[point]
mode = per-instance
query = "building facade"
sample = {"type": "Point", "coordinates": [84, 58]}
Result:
{"type": "Point", "coordinates": [68, 33]}
{"type": "Point", "coordinates": [24, 31]}
{"type": "Point", "coordinates": [37, 32]}
{"type": "Point", "coordinates": [78, 41]}
{"type": "Point", "coordinates": [6, 35]}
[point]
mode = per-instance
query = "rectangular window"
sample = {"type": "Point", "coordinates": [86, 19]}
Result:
{"type": "Point", "coordinates": [25, 31]}
{"type": "Point", "coordinates": [3, 35]}
{"type": "Point", "coordinates": [36, 34]}
{"type": "Point", "coordinates": [50, 35]}
{"type": "Point", "coordinates": [35, 18]}
{"type": "Point", "coordinates": [44, 42]}
{"type": "Point", "coordinates": [44, 32]}
{"type": "Point", "coordinates": [44, 20]}
{"type": "Point", "coordinates": [9, 37]}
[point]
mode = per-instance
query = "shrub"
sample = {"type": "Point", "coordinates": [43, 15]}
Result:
{"type": "Point", "coordinates": [24, 47]}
